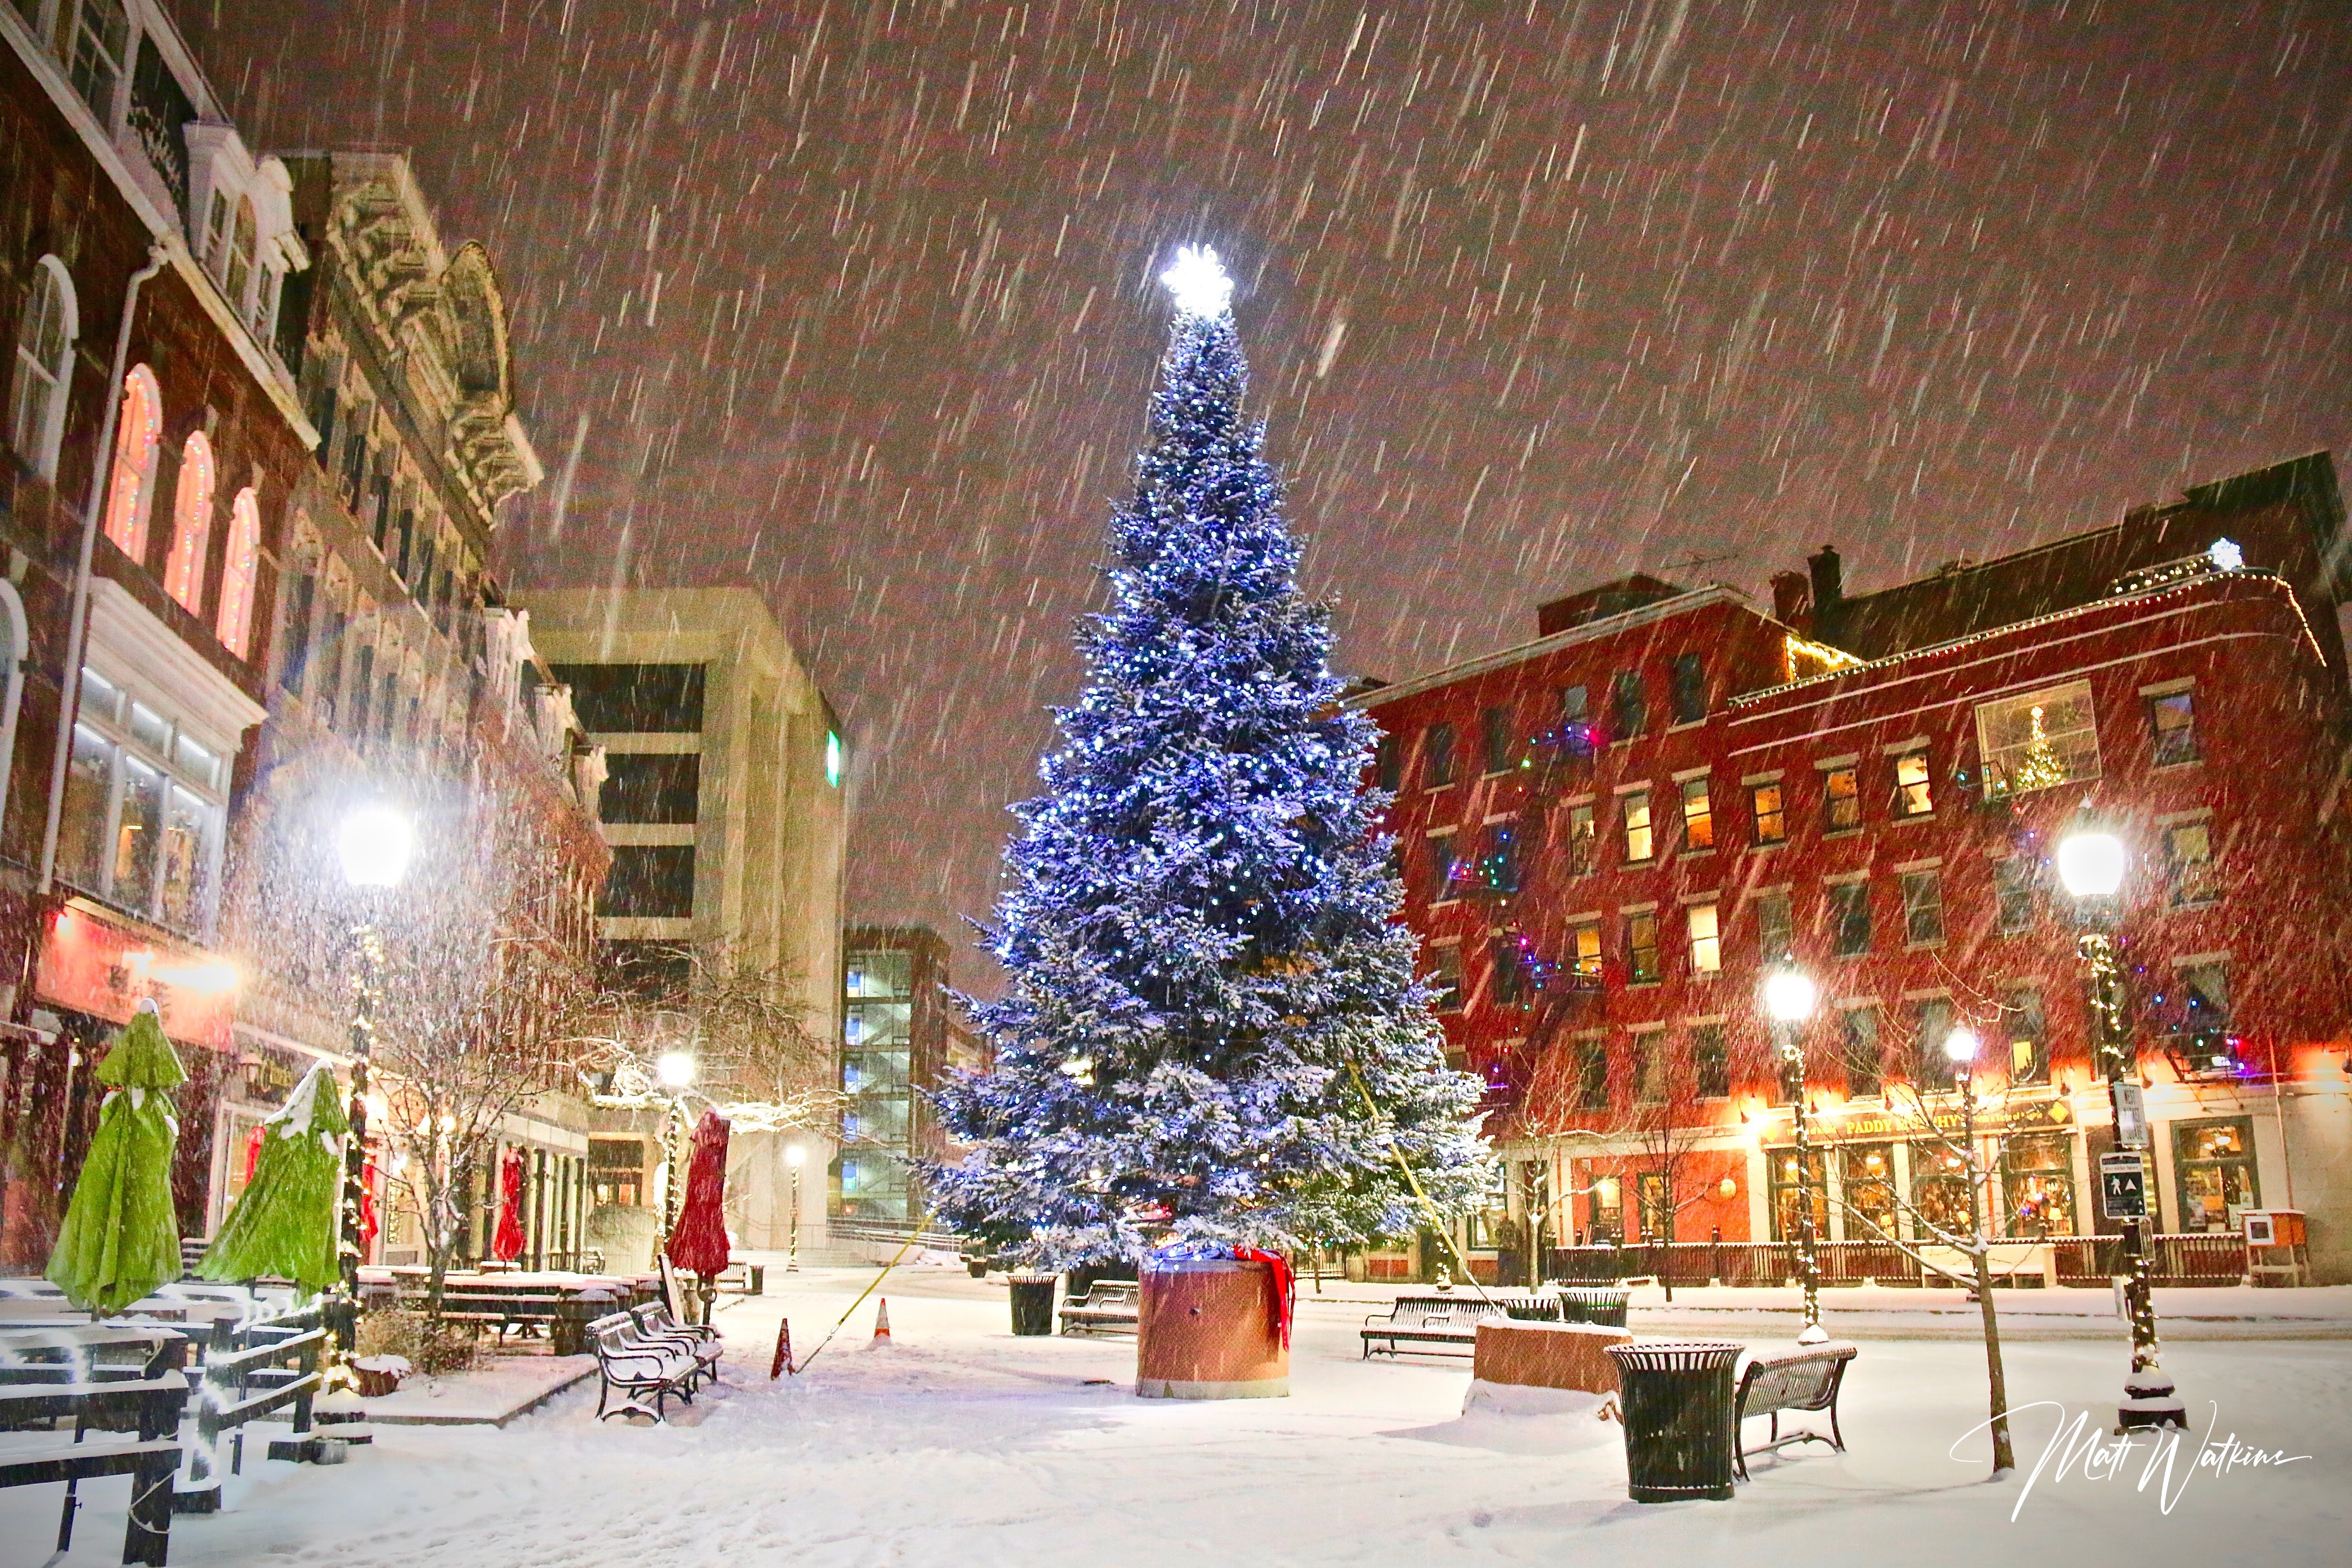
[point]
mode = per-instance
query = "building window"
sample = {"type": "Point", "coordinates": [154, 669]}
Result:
{"type": "Point", "coordinates": [243, 239]}
{"type": "Point", "coordinates": [301, 601]}
{"type": "Point", "coordinates": [1628, 711]}
{"type": "Point", "coordinates": [191, 525]}
{"type": "Point", "coordinates": [1583, 835]}
{"type": "Point", "coordinates": [2037, 1180]}
{"type": "Point", "coordinates": [834, 752]}
{"type": "Point", "coordinates": [1706, 939]}
{"type": "Point", "coordinates": [1776, 926]}
{"type": "Point", "coordinates": [1437, 756]}
{"type": "Point", "coordinates": [44, 373]}
{"type": "Point", "coordinates": [2172, 728]}
{"type": "Point", "coordinates": [1653, 1069]}
{"type": "Point", "coordinates": [2204, 997]}
{"type": "Point", "coordinates": [238, 570]}
{"type": "Point", "coordinates": [1931, 1020]}
{"type": "Point", "coordinates": [2012, 883]}
{"type": "Point", "coordinates": [131, 490]}
{"type": "Point", "coordinates": [1923, 908]}
{"type": "Point", "coordinates": [616, 1173]}
{"type": "Point", "coordinates": [1444, 870]}
{"type": "Point", "coordinates": [1575, 721]}
{"type": "Point", "coordinates": [142, 808]}
{"type": "Point", "coordinates": [1786, 1192]}
{"type": "Point", "coordinates": [2038, 741]}
{"type": "Point", "coordinates": [1387, 765]}
{"type": "Point", "coordinates": [1495, 733]}
{"type": "Point", "coordinates": [1849, 904]}
{"type": "Point", "coordinates": [2189, 861]}
{"type": "Point", "coordinates": [1710, 1062]}
{"type": "Point", "coordinates": [1699, 815]}
{"type": "Point", "coordinates": [1940, 1191]}
{"type": "Point", "coordinates": [1503, 956]}
{"type": "Point", "coordinates": [1765, 804]}
{"type": "Point", "coordinates": [1912, 795]}
{"type": "Point", "coordinates": [1841, 799]}
{"type": "Point", "coordinates": [101, 43]}
{"type": "Point", "coordinates": [635, 699]}
{"type": "Point", "coordinates": [1584, 949]}
{"type": "Point", "coordinates": [2214, 1166]}
{"type": "Point", "coordinates": [649, 881]}
{"type": "Point", "coordinates": [1860, 1052]}
{"type": "Point", "coordinates": [657, 788]}
{"type": "Point", "coordinates": [1866, 1171]}
{"type": "Point", "coordinates": [1642, 948]}
{"type": "Point", "coordinates": [1635, 806]}
{"type": "Point", "coordinates": [2029, 1036]}
{"type": "Point", "coordinates": [1689, 687]}
{"type": "Point", "coordinates": [1591, 1074]}
{"type": "Point", "coordinates": [1498, 859]}
{"type": "Point", "coordinates": [1446, 981]}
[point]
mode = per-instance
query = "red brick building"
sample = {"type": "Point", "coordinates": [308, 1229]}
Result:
{"type": "Point", "coordinates": [1610, 833]}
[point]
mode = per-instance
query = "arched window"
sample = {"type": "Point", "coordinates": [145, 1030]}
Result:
{"type": "Point", "coordinates": [240, 253]}
{"type": "Point", "coordinates": [45, 340]}
{"type": "Point", "coordinates": [192, 524]}
{"type": "Point", "coordinates": [130, 494]}
{"type": "Point", "coordinates": [237, 573]}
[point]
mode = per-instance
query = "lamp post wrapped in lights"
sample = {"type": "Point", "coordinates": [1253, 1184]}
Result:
{"type": "Point", "coordinates": [2092, 864]}
{"type": "Point", "coordinates": [676, 1071]}
{"type": "Point", "coordinates": [794, 1155]}
{"type": "Point", "coordinates": [373, 843]}
{"type": "Point", "coordinates": [1789, 997]}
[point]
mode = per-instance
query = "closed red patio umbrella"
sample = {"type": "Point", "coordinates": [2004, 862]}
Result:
{"type": "Point", "coordinates": [698, 1245]}
{"type": "Point", "coordinates": [506, 1243]}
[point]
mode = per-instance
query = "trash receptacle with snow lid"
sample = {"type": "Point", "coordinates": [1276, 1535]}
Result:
{"type": "Point", "coordinates": [1033, 1303]}
{"type": "Point", "coordinates": [1213, 1327]}
{"type": "Point", "coordinates": [1676, 1401]}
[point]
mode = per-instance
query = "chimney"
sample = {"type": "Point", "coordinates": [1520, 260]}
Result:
{"type": "Point", "coordinates": [1792, 599]}
{"type": "Point", "coordinates": [1829, 592]}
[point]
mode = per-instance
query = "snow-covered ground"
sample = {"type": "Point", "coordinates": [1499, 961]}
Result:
{"type": "Point", "coordinates": [959, 1444]}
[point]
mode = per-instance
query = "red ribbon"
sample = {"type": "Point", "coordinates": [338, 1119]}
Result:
{"type": "Point", "coordinates": [1284, 1283]}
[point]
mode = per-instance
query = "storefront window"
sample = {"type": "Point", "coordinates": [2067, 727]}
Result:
{"type": "Point", "coordinates": [2038, 1183]}
{"type": "Point", "coordinates": [1780, 1165]}
{"type": "Point", "coordinates": [1606, 1211]}
{"type": "Point", "coordinates": [2213, 1161]}
{"type": "Point", "coordinates": [1939, 1189]}
{"type": "Point", "coordinates": [1866, 1172]}
{"type": "Point", "coordinates": [142, 809]}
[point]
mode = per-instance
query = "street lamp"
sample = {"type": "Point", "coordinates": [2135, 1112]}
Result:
{"type": "Point", "coordinates": [373, 843]}
{"type": "Point", "coordinates": [2091, 864]}
{"type": "Point", "coordinates": [676, 1071]}
{"type": "Point", "coordinates": [1789, 998]}
{"type": "Point", "coordinates": [794, 1155]}
{"type": "Point", "coordinates": [1960, 1046]}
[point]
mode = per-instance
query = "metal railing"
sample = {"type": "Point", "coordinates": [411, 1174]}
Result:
{"type": "Point", "coordinates": [2188, 1258]}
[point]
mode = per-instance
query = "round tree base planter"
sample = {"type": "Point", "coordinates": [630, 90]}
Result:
{"type": "Point", "coordinates": [1207, 1331]}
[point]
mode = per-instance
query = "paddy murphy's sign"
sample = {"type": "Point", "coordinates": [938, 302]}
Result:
{"type": "Point", "coordinates": [1871, 1122]}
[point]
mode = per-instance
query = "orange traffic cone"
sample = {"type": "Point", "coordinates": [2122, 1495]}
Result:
{"type": "Point", "coordinates": [882, 1319]}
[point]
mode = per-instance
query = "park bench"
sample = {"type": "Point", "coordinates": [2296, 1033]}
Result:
{"type": "Point", "coordinates": [1445, 1325]}
{"type": "Point", "coordinates": [52, 1374]}
{"type": "Point", "coordinates": [254, 1368]}
{"type": "Point", "coordinates": [655, 1322]}
{"type": "Point", "coordinates": [1114, 1306]}
{"type": "Point", "coordinates": [634, 1366]}
{"type": "Point", "coordinates": [1806, 1379]}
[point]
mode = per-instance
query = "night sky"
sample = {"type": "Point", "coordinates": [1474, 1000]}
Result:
{"type": "Point", "coordinates": [857, 301]}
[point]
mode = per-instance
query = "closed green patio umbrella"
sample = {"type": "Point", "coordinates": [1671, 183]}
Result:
{"type": "Point", "coordinates": [284, 1221]}
{"type": "Point", "coordinates": [122, 1238]}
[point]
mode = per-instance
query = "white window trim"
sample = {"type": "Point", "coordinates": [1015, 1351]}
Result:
{"type": "Point", "coordinates": [2182, 818]}
{"type": "Point", "coordinates": [1845, 879]}
{"type": "Point", "coordinates": [1686, 774]}
{"type": "Point", "coordinates": [1704, 1019]}
{"type": "Point", "coordinates": [2198, 960]}
{"type": "Point", "coordinates": [1625, 789]}
{"type": "Point", "coordinates": [1830, 764]}
{"type": "Point", "coordinates": [2169, 687]}
{"type": "Point", "coordinates": [1932, 863]}
{"type": "Point", "coordinates": [50, 438]}
{"type": "Point", "coordinates": [1648, 908]}
{"type": "Point", "coordinates": [1714, 896]}
{"type": "Point", "coordinates": [1750, 780]}
{"type": "Point", "coordinates": [1929, 994]}
{"type": "Point", "coordinates": [1903, 748]}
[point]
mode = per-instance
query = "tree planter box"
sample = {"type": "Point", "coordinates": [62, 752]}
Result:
{"type": "Point", "coordinates": [1572, 1356]}
{"type": "Point", "coordinates": [1207, 1331]}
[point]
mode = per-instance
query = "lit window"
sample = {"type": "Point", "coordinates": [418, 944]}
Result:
{"type": "Point", "coordinates": [1705, 943]}
{"type": "Point", "coordinates": [1923, 908]}
{"type": "Point", "coordinates": [832, 759]}
{"type": "Point", "coordinates": [2039, 740]}
{"type": "Point", "coordinates": [131, 492]}
{"type": "Point", "coordinates": [1771, 819]}
{"type": "Point", "coordinates": [1699, 815]}
{"type": "Point", "coordinates": [1584, 948]}
{"type": "Point", "coordinates": [44, 371]}
{"type": "Point", "coordinates": [192, 524]}
{"type": "Point", "coordinates": [235, 623]}
{"type": "Point", "coordinates": [2172, 725]}
{"type": "Point", "coordinates": [2188, 857]}
{"type": "Point", "coordinates": [1642, 948]}
{"type": "Point", "coordinates": [1636, 807]}
{"type": "Point", "coordinates": [1840, 800]}
{"type": "Point", "coordinates": [140, 827]}
{"type": "Point", "coordinates": [2029, 1051]}
{"type": "Point", "coordinates": [1913, 797]}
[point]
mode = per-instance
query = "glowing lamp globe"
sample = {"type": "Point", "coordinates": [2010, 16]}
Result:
{"type": "Point", "coordinates": [1788, 995]}
{"type": "Point", "coordinates": [2091, 865]}
{"type": "Point", "coordinates": [1962, 1044]}
{"type": "Point", "coordinates": [1198, 282]}
{"type": "Point", "coordinates": [794, 1154]}
{"type": "Point", "coordinates": [675, 1068]}
{"type": "Point", "coordinates": [374, 843]}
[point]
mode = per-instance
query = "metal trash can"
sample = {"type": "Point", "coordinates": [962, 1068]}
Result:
{"type": "Point", "coordinates": [1676, 1405]}
{"type": "Point", "coordinates": [1033, 1304]}
{"type": "Point", "coordinates": [1602, 1304]}
{"type": "Point", "coordinates": [1536, 1309]}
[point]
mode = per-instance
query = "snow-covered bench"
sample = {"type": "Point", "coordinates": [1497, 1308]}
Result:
{"type": "Point", "coordinates": [635, 1366]}
{"type": "Point", "coordinates": [1430, 1325]}
{"type": "Point", "coordinates": [1116, 1305]}
{"type": "Point", "coordinates": [55, 1374]}
{"type": "Point", "coordinates": [1806, 1379]}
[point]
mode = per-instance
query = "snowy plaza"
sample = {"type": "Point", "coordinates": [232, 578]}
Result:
{"type": "Point", "coordinates": [957, 1444]}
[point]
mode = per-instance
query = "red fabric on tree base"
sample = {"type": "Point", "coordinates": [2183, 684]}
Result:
{"type": "Point", "coordinates": [698, 1245]}
{"type": "Point", "coordinates": [1280, 1276]}
{"type": "Point", "coordinates": [505, 1242]}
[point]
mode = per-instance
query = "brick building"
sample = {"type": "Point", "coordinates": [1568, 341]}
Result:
{"type": "Point", "coordinates": [1610, 833]}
